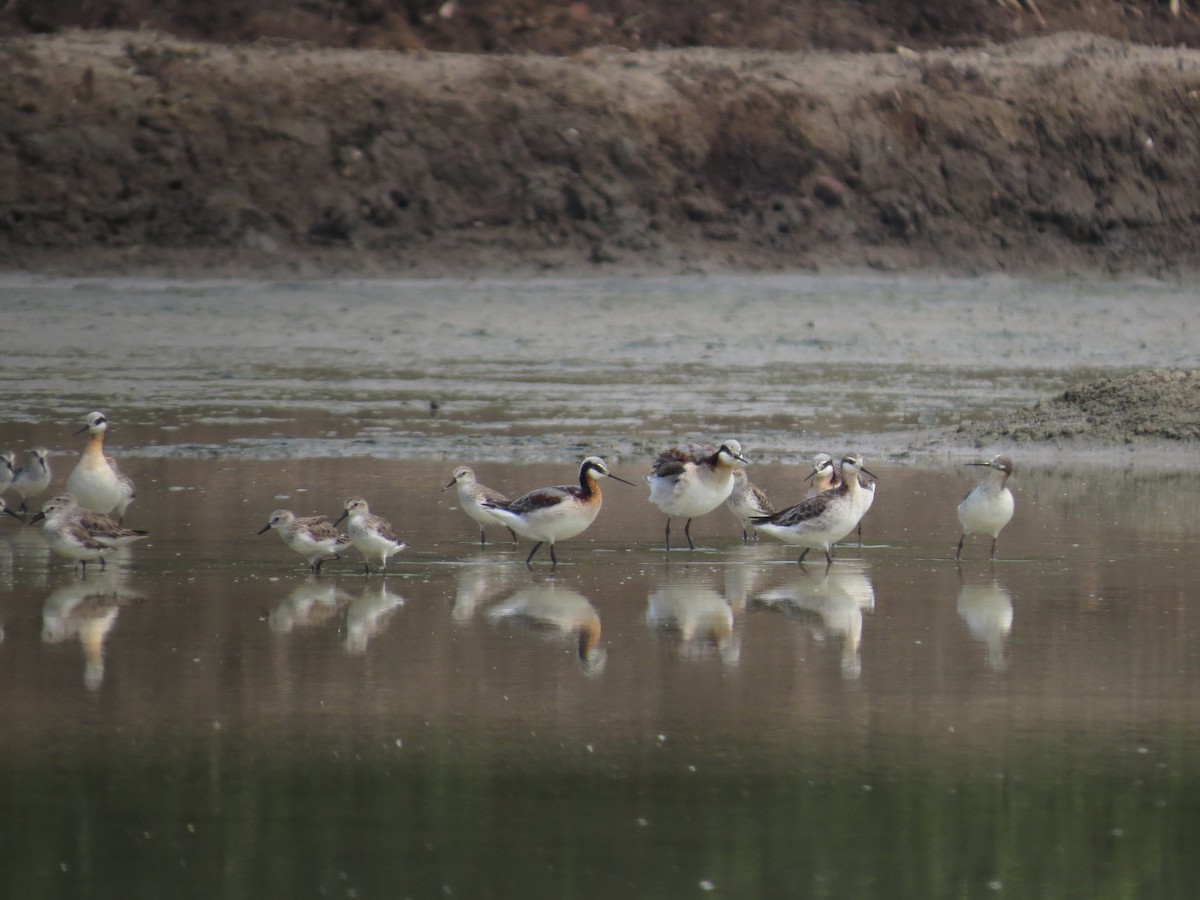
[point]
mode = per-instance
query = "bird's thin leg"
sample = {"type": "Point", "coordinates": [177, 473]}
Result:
{"type": "Point", "coordinates": [803, 553]}
{"type": "Point", "coordinates": [553, 558]}
{"type": "Point", "coordinates": [958, 552]}
{"type": "Point", "coordinates": [529, 558]}
{"type": "Point", "coordinates": [482, 538]}
{"type": "Point", "coordinates": [667, 536]}
{"type": "Point", "coordinates": [993, 548]}
{"type": "Point", "coordinates": [513, 533]}
{"type": "Point", "coordinates": [687, 530]}
{"type": "Point", "coordinates": [860, 535]}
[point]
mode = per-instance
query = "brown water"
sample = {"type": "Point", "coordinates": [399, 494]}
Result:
{"type": "Point", "coordinates": [205, 718]}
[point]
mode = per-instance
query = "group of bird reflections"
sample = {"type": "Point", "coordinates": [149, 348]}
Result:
{"type": "Point", "coordinates": [687, 481]}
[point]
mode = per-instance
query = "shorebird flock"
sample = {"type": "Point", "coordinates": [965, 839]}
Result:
{"type": "Point", "coordinates": [85, 522]}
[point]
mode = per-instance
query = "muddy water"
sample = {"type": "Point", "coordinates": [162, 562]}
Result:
{"type": "Point", "coordinates": [206, 713]}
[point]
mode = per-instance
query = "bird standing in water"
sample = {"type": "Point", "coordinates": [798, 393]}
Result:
{"type": "Point", "coordinates": [989, 505]}
{"type": "Point", "coordinates": [552, 514]}
{"type": "Point", "coordinates": [692, 480]}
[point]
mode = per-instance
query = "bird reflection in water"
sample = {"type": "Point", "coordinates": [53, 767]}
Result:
{"type": "Point", "coordinates": [86, 609]}
{"type": "Point", "coordinates": [988, 611]}
{"type": "Point", "coordinates": [478, 582]}
{"type": "Point", "coordinates": [701, 616]}
{"type": "Point", "coordinates": [313, 602]}
{"type": "Point", "coordinates": [368, 616]}
{"type": "Point", "coordinates": [833, 602]}
{"type": "Point", "coordinates": [559, 610]}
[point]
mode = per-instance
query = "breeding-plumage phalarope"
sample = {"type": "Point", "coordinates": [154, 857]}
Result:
{"type": "Point", "coordinates": [313, 537]}
{"type": "Point", "coordinates": [692, 480]}
{"type": "Point", "coordinates": [128, 491]}
{"type": "Point", "coordinates": [824, 476]}
{"type": "Point", "coordinates": [823, 520]}
{"type": "Point", "coordinates": [6, 470]}
{"type": "Point", "coordinates": [93, 481]}
{"type": "Point", "coordinates": [552, 514]}
{"type": "Point", "coordinates": [989, 505]}
{"type": "Point", "coordinates": [472, 497]}
{"type": "Point", "coordinates": [746, 501]}
{"type": "Point", "coordinates": [101, 528]}
{"type": "Point", "coordinates": [370, 535]}
{"type": "Point", "coordinates": [32, 478]}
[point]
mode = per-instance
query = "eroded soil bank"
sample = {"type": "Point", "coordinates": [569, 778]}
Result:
{"type": "Point", "coordinates": [141, 152]}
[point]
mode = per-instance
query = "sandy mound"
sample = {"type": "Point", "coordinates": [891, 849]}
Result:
{"type": "Point", "coordinates": [1161, 405]}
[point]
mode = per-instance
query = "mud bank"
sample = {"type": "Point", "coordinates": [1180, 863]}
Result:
{"type": "Point", "coordinates": [1154, 411]}
{"type": "Point", "coordinates": [139, 152]}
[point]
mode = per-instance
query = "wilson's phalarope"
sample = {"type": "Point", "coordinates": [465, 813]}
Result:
{"type": "Point", "coordinates": [6, 470]}
{"type": "Point", "coordinates": [746, 501]}
{"type": "Point", "coordinates": [128, 491]}
{"type": "Point", "coordinates": [93, 482]}
{"type": "Point", "coordinates": [556, 513]}
{"type": "Point", "coordinates": [101, 528]}
{"type": "Point", "coordinates": [472, 496]}
{"type": "Point", "coordinates": [823, 520]}
{"type": "Point", "coordinates": [693, 480]}
{"type": "Point", "coordinates": [33, 477]}
{"type": "Point", "coordinates": [313, 537]}
{"type": "Point", "coordinates": [989, 505]}
{"type": "Point", "coordinates": [822, 477]}
{"type": "Point", "coordinates": [370, 535]}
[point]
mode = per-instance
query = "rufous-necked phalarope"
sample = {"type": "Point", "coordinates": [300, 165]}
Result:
{"type": "Point", "coordinates": [989, 505]}
{"type": "Point", "coordinates": [823, 520]}
{"type": "Point", "coordinates": [692, 480]}
{"type": "Point", "coordinates": [101, 528]}
{"type": "Point", "coordinates": [472, 496]}
{"type": "Point", "coordinates": [313, 537]}
{"type": "Point", "coordinates": [32, 478]}
{"type": "Point", "coordinates": [93, 481]}
{"type": "Point", "coordinates": [6, 470]}
{"type": "Point", "coordinates": [372, 536]}
{"type": "Point", "coordinates": [552, 514]}
{"type": "Point", "coordinates": [746, 501]}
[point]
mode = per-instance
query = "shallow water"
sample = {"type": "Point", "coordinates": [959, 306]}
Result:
{"type": "Point", "coordinates": [205, 713]}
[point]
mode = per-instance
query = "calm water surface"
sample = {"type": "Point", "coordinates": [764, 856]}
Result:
{"type": "Point", "coordinates": [204, 718]}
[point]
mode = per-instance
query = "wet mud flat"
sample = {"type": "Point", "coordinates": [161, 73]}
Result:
{"type": "Point", "coordinates": [555, 369]}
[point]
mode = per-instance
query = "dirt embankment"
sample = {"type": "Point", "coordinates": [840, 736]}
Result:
{"type": "Point", "coordinates": [141, 152]}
